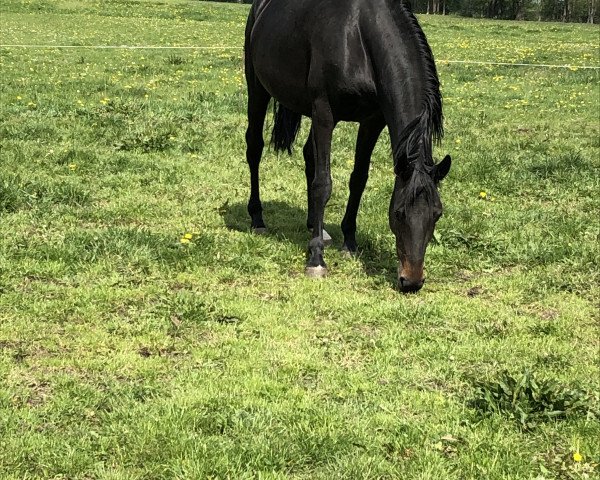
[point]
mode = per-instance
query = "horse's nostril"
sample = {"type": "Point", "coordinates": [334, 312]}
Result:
{"type": "Point", "coordinates": [409, 286]}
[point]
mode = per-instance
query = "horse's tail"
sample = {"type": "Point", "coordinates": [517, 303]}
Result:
{"type": "Point", "coordinates": [287, 124]}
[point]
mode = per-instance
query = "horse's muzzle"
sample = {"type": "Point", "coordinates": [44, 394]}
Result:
{"type": "Point", "coordinates": [410, 276]}
{"type": "Point", "coordinates": [410, 286]}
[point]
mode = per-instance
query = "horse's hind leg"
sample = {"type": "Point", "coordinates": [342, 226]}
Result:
{"type": "Point", "coordinates": [368, 133]}
{"type": "Point", "coordinates": [258, 101]}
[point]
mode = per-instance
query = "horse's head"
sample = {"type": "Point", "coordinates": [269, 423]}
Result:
{"type": "Point", "coordinates": [414, 210]}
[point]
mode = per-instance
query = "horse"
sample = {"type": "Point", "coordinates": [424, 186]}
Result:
{"type": "Point", "coordinates": [365, 61]}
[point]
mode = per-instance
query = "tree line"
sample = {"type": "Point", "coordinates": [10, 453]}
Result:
{"type": "Point", "coordinates": [584, 11]}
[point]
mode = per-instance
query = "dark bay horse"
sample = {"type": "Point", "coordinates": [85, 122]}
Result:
{"type": "Point", "coordinates": [366, 61]}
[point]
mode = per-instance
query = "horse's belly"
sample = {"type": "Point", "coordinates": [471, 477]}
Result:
{"type": "Point", "coordinates": [354, 108]}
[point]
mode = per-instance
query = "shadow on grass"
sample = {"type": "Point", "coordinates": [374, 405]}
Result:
{"type": "Point", "coordinates": [286, 222]}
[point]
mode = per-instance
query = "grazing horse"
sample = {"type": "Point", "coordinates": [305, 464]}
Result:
{"type": "Point", "coordinates": [366, 61]}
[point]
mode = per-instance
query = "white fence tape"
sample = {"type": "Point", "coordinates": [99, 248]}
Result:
{"type": "Point", "coordinates": [166, 47]}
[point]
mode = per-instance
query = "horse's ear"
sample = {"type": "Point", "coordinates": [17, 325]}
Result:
{"type": "Point", "coordinates": [441, 169]}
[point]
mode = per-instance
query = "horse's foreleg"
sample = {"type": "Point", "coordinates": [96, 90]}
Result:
{"type": "Point", "coordinates": [258, 101]}
{"type": "Point", "coordinates": [322, 129]}
{"type": "Point", "coordinates": [368, 133]}
{"type": "Point", "coordinates": [309, 169]}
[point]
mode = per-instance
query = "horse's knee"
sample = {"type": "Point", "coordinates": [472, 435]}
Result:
{"type": "Point", "coordinates": [254, 148]}
{"type": "Point", "coordinates": [322, 188]}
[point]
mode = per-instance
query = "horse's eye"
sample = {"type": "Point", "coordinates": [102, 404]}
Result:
{"type": "Point", "coordinates": [400, 214]}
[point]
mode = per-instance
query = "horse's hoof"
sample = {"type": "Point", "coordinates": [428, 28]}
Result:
{"type": "Point", "coordinates": [316, 272]}
{"type": "Point", "coordinates": [259, 230]}
{"type": "Point", "coordinates": [346, 252]}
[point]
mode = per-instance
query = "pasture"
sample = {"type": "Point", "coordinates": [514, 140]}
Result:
{"type": "Point", "coordinates": [146, 333]}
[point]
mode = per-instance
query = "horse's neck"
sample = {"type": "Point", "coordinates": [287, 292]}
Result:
{"type": "Point", "coordinates": [407, 80]}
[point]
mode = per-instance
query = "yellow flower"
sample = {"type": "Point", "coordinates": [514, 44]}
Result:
{"type": "Point", "coordinates": [188, 236]}
{"type": "Point", "coordinates": [19, 97]}
{"type": "Point", "coordinates": [184, 240]}
{"type": "Point", "coordinates": [577, 457]}
{"type": "Point", "coordinates": [482, 195]}
{"type": "Point", "coordinates": [73, 167]}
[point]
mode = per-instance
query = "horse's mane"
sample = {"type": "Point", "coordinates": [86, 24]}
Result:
{"type": "Point", "coordinates": [414, 150]}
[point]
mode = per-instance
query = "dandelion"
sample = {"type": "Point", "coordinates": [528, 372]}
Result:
{"type": "Point", "coordinates": [482, 195]}
{"type": "Point", "coordinates": [19, 97]}
{"type": "Point", "coordinates": [577, 457]}
{"type": "Point", "coordinates": [73, 167]}
{"type": "Point", "coordinates": [105, 101]}
{"type": "Point", "coordinates": [187, 238]}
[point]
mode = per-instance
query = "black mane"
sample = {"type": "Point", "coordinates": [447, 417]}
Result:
{"type": "Point", "coordinates": [414, 154]}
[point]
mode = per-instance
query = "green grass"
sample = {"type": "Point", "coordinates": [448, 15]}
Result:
{"type": "Point", "coordinates": [126, 354]}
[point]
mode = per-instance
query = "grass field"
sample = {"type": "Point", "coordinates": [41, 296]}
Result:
{"type": "Point", "coordinates": [125, 353]}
